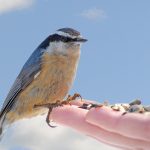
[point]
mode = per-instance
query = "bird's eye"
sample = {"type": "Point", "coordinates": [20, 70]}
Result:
{"type": "Point", "coordinates": [57, 37]}
{"type": "Point", "coordinates": [64, 39]}
{"type": "Point", "coordinates": [68, 39]}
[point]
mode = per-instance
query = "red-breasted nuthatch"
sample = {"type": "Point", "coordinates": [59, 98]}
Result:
{"type": "Point", "coordinates": [46, 77]}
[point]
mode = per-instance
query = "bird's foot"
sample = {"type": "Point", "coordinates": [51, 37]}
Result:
{"type": "Point", "coordinates": [50, 106]}
{"type": "Point", "coordinates": [71, 98]}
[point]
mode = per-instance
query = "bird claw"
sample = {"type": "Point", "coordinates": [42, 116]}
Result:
{"type": "Point", "coordinates": [50, 106]}
{"type": "Point", "coordinates": [71, 98]}
{"type": "Point", "coordinates": [47, 118]}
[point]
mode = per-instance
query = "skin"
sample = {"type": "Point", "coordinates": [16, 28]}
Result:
{"type": "Point", "coordinates": [128, 132]}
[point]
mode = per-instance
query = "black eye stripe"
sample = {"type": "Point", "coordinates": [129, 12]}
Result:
{"type": "Point", "coordinates": [55, 38]}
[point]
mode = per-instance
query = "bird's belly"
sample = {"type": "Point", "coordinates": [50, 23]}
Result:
{"type": "Point", "coordinates": [41, 91]}
{"type": "Point", "coordinates": [52, 84]}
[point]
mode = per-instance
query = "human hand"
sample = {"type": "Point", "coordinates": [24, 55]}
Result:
{"type": "Point", "coordinates": [128, 132]}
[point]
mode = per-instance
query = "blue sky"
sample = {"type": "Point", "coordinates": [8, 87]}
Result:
{"type": "Point", "coordinates": [115, 62]}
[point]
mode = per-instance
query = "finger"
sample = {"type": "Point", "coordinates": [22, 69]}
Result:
{"type": "Point", "coordinates": [71, 116]}
{"type": "Point", "coordinates": [75, 118]}
{"type": "Point", "coordinates": [131, 125]}
{"type": "Point", "coordinates": [121, 141]}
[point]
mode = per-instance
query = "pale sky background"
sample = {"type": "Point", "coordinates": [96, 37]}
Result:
{"type": "Point", "coordinates": [114, 65]}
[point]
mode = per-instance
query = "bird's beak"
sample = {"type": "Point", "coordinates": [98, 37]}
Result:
{"type": "Point", "coordinates": [80, 40]}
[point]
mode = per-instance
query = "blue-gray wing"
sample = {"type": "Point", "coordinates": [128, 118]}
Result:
{"type": "Point", "coordinates": [26, 76]}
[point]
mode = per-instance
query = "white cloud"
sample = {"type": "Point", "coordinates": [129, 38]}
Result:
{"type": "Point", "coordinates": [10, 5]}
{"type": "Point", "coordinates": [34, 134]}
{"type": "Point", "coordinates": [94, 14]}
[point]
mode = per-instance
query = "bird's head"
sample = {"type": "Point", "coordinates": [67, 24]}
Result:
{"type": "Point", "coordinates": [63, 41]}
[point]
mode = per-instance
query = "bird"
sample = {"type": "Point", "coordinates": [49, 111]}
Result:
{"type": "Point", "coordinates": [45, 79]}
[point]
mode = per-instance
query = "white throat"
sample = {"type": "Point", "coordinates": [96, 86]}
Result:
{"type": "Point", "coordinates": [62, 48]}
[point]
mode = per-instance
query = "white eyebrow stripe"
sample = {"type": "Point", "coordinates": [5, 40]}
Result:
{"type": "Point", "coordinates": [67, 35]}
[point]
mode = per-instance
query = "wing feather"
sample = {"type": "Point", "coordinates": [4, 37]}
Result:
{"type": "Point", "coordinates": [26, 76]}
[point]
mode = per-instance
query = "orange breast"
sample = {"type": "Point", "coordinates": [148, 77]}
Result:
{"type": "Point", "coordinates": [52, 84]}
